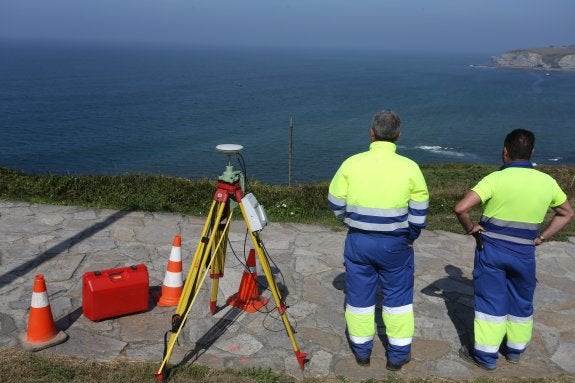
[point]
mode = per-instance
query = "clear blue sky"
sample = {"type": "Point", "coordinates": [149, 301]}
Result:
{"type": "Point", "coordinates": [472, 25]}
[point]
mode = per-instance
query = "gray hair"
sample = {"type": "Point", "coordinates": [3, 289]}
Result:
{"type": "Point", "coordinates": [385, 126]}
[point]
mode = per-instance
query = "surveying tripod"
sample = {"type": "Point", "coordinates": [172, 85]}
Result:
{"type": "Point", "coordinates": [209, 256]}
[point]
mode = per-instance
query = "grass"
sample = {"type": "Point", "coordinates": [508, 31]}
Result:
{"type": "Point", "coordinates": [26, 367]}
{"type": "Point", "coordinates": [304, 203]}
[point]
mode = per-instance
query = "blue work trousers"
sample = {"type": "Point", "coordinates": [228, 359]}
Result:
{"type": "Point", "coordinates": [385, 263]}
{"type": "Point", "coordinates": [504, 283]}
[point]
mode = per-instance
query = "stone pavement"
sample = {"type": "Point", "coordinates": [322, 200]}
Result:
{"type": "Point", "coordinates": [64, 242]}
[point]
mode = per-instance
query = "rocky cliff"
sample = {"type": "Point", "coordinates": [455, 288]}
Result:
{"type": "Point", "coordinates": [549, 58]}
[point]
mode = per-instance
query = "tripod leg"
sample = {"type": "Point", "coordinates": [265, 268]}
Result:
{"type": "Point", "coordinates": [264, 262]}
{"type": "Point", "coordinates": [217, 270]}
{"type": "Point", "coordinates": [196, 276]}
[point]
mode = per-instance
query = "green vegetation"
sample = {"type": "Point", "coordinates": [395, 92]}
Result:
{"type": "Point", "coordinates": [305, 203]}
{"type": "Point", "coordinates": [26, 367]}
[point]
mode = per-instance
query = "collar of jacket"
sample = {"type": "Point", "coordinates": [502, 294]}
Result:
{"type": "Point", "coordinates": [517, 164]}
{"type": "Point", "coordinates": [383, 145]}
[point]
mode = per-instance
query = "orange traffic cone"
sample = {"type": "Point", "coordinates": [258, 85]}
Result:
{"type": "Point", "coordinates": [173, 280]}
{"type": "Point", "coordinates": [248, 297]}
{"type": "Point", "coordinates": [42, 332]}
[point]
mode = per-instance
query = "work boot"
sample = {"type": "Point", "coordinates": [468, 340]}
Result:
{"type": "Point", "coordinates": [512, 357]}
{"type": "Point", "coordinates": [466, 356]}
{"type": "Point", "coordinates": [363, 362]}
{"type": "Point", "coordinates": [396, 367]}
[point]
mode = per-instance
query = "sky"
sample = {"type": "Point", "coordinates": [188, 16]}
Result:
{"type": "Point", "coordinates": [419, 25]}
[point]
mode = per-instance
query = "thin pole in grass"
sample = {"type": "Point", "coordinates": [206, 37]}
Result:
{"type": "Point", "coordinates": [290, 148]}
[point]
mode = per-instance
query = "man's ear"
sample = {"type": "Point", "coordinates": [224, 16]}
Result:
{"type": "Point", "coordinates": [505, 154]}
{"type": "Point", "coordinates": [371, 134]}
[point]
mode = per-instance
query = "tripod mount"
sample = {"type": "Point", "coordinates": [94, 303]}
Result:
{"type": "Point", "coordinates": [209, 256]}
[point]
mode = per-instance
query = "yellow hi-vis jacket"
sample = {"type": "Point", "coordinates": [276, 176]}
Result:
{"type": "Point", "coordinates": [380, 191]}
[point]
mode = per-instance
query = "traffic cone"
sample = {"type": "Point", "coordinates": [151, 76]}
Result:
{"type": "Point", "coordinates": [173, 280]}
{"type": "Point", "coordinates": [42, 332]}
{"type": "Point", "coordinates": [248, 297]}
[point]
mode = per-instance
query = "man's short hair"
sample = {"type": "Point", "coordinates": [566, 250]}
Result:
{"type": "Point", "coordinates": [385, 126]}
{"type": "Point", "coordinates": [519, 144]}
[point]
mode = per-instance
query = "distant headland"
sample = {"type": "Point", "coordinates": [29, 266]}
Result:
{"type": "Point", "coordinates": [548, 58]}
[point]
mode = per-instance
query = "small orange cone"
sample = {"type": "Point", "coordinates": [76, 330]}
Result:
{"type": "Point", "coordinates": [248, 297]}
{"type": "Point", "coordinates": [173, 280]}
{"type": "Point", "coordinates": [42, 332]}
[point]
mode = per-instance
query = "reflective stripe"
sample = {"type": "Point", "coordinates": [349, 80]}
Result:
{"type": "Point", "coordinates": [339, 213]}
{"type": "Point", "coordinates": [39, 300]}
{"type": "Point", "coordinates": [399, 341]}
{"type": "Point", "coordinates": [360, 310]}
{"type": "Point", "coordinates": [519, 330]}
{"type": "Point", "coordinates": [173, 279]}
{"type": "Point", "coordinates": [509, 238]}
{"type": "Point", "coordinates": [513, 224]}
{"type": "Point", "coordinates": [360, 322]}
{"type": "Point", "coordinates": [397, 310]}
{"type": "Point", "coordinates": [418, 219]}
{"type": "Point", "coordinates": [490, 318]}
{"type": "Point", "coordinates": [336, 201]}
{"type": "Point", "coordinates": [515, 319]}
{"type": "Point", "coordinates": [376, 226]}
{"type": "Point", "coordinates": [399, 322]}
{"type": "Point", "coordinates": [420, 205]}
{"type": "Point", "coordinates": [374, 212]}
{"type": "Point", "coordinates": [517, 346]}
{"type": "Point", "coordinates": [360, 339]}
{"type": "Point", "coordinates": [489, 329]}
{"type": "Point", "coordinates": [485, 348]}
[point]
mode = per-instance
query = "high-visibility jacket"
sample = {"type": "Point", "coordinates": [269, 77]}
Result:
{"type": "Point", "coordinates": [379, 190]}
{"type": "Point", "coordinates": [383, 198]}
{"type": "Point", "coordinates": [515, 201]}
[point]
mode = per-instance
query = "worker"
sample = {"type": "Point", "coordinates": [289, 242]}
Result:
{"type": "Point", "coordinates": [382, 198]}
{"type": "Point", "coordinates": [515, 201]}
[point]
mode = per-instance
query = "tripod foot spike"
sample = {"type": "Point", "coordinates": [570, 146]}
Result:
{"type": "Point", "coordinates": [213, 307]}
{"type": "Point", "coordinates": [160, 375]}
{"type": "Point", "coordinates": [301, 358]}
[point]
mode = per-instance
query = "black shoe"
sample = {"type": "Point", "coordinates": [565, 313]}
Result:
{"type": "Point", "coordinates": [513, 358]}
{"type": "Point", "coordinates": [466, 356]}
{"type": "Point", "coordinates": [396, 367]}
{"type": "Point", "coordinates": [363, 362]}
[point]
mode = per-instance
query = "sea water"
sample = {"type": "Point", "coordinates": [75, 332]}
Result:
{"type": "Point", "coordinates": [115, 109]}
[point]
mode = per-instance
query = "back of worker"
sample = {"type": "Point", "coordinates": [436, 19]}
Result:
{"type": "Point", "coordinates": [515, 200]}
{"type": "Point", "coordinates": [382, 197]}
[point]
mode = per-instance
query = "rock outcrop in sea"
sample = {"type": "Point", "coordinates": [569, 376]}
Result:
{"type": "Point", "coordinates": [549, 58]}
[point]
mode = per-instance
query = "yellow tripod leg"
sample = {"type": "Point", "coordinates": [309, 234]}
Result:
{"type": "Point", "coordinates": [281, 307]}
{"type": "Point", "coordinates": [217, 270]}
{"type": "Point", "coordinates": [196, 276]}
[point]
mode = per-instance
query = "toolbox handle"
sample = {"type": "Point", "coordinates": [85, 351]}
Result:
{"type": "Point", "coordinates": [116, 276]}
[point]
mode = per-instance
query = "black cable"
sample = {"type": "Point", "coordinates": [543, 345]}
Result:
{"type": "Point", "coordinates": [244, 169]}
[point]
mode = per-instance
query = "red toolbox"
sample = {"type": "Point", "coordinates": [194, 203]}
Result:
{"type": "Point", "coordinates": [115, 292]}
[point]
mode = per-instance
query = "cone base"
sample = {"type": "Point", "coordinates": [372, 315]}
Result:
{"type": "Point", "coordinates": [168, 302]}
{"type": "Point", "coordinates": [60, 337]}
{"type": "Point", "coordinates": [165, 301]}
{"type": "Point", "coordinates": [250, 306]}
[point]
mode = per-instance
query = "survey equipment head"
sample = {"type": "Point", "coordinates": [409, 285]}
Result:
{"type": "Point", "coordinates": [229, 175]}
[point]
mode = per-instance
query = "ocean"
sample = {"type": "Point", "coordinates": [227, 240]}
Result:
{"type": "Point", "coordinates": [115, 109]}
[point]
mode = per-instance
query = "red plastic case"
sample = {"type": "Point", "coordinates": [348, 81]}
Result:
{"type": "Point", "coordinates": [114, 292]}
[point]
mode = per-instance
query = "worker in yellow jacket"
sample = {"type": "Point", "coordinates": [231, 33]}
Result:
{"type": "Point", "coordinates": [382, 198]}
{"type": "Point", "coordinates": [515, 200]}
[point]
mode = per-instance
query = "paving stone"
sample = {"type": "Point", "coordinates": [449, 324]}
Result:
{"type": "Point", "coordinates": [64, 242]}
